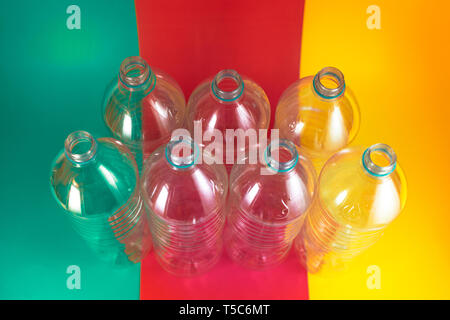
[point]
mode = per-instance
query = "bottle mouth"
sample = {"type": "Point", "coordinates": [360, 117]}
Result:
{"type": "Point", "coordinates": [329, 83]}
{"type": "Point", "coordinates": [134, 71]}
{"type": "Point", "coordinates": [80, 147]}
{"type": "Point", "coordinates": [281, 156]}
{"type": "Point", "coordinates": [227, 85]}
{"type": "Point", "coordinates": [379, 160]}
{"type": "Point", "coordinates": [182, 152]}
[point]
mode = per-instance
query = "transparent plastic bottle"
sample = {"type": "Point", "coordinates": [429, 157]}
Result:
{"type": "Point", "coordinates": [359, 193]}
{"type": "Point", "coordinates": [185, 201]}
{"type": "Point", "coordinates": [142, 106]}
{"type": "Point", "coordinates": [319, 114]}
{"type": "Point", "coordinates": [96, 182]}
{"type": "Point", "coordinates": [266, 211]}
{"type": "Point", "coordinates": [227, 101]}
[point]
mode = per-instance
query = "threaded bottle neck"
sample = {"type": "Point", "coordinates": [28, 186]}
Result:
{"type": "Point", "coordinates": [80, 147]}
{"type": "Point", "coordinates": [135, 74]}
{"type": "Point", "coordinates": [182, 153]}
{"type": "Point", "coordinates": [227, 85]}
{"type": "Point", "coordinates": [379, 160]}
{"type": "Point", "coordinates": [281, 156]}
{"type": "Point", "coordinates": [329, 83]}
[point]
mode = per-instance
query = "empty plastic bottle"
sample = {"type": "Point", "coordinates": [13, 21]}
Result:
{"type": "Point", "coordinates": [185, 200]}
{"type": "Point", "coordinates": [319, 114]}
{"type": "Point", "coordinates": [267, 204]}
{"type": "Point", "coordinates": [227, 101]}
{"type": "Point", "coordinates": [359, 193]}
{"type": "Point", "coordinates": [96, 182]}
{"type": "Point", "coordinates": [142, 106]}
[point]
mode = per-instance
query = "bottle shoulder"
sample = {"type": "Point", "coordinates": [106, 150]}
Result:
{"type": "Point", "coordinates": [185, 195]}
{"type": "Point", "coordinates": [318, 125]}
{"type": "Point", "coordinates": [250, 110]}
{"type": "Point", "coordinates": [354, 197]}
{"type": "Point", "coordinates": [279, 197]}
{"type": "Point", "coordinates": [100, 186]}
{"type": "Point", "coordinates": [125, 112]}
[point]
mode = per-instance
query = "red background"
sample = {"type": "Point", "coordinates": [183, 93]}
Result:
{"type": "Point", "coordinates": [193, 40]}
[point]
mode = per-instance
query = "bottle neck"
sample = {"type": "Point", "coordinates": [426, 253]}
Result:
{"type": "Point", "coordinates": [281, 156]}
{"type": "Point", "coordinates": [329, 83]}
{"type": "Point", "coordinates": [80, 147]}
{"type": "Point", "coordinates": [136, 75]}
{"type": "Point", "coordinates": [227, 86]}
{"type": "Point", "coordinates": [182, 153]}
{"type": "Point", "coordinates": [379, 160]}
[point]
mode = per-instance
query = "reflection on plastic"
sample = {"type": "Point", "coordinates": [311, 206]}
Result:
{"type": "Point", "coordinates": [142, 104]}
{"type": "Point", "coordinates": [185, 202]}
{"type": "Point", "coordinates": [228, 101]}
{"type": "Point", "coordinates": [266, 211]}
{"type": "Point", "coordinates": [360, 192]}
{"type": "Point", "coordinates": [319, 114]}
{"type": "Point", "coordinates": [97, 184]}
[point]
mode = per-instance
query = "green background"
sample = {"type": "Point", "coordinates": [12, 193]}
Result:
{"type": "Point", "coordinates": [52, 83]}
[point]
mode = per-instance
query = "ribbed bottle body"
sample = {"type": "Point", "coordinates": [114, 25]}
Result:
{"type": "Point", "coordinates": [188, 249]}
{"type": "Point", "coordinates": [358, 197]}
{"type": "Point", "coordinates": [97, 184]}
{"type": "Point", "coordinates": [185, 203]}
{"type": "Point", "coordinates": [267, 208]}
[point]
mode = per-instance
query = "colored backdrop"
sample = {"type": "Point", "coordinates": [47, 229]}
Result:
{"type": "Point", "coordinates": [193, 41]}
{"type": "Point", "coordinates": [52, 82]}
{"type": "Point", "coordinates": [399, 74]}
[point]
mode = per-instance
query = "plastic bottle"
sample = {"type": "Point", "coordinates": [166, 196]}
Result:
{"type": "Point", "coordinates": [96, 182]}
{"type": "Point", "coordinates": [359, 193]}
{"type": "Point", "coordinates": [142, 106]}
{"type": "Point", "coordinates": [319, 114]}
{"type": "Point", "coordinates": [267, 208]}
{"type": "Point", "coordinates": [227, 101]}
{"type": "Point", "coordinates": [185, 201]}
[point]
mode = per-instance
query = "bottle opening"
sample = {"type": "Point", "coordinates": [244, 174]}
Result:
{"type": "Point", "coordinates": [182, 153]}
{"type": "Point", "coordinates": [281, 156]}
{"type": "Point", "coordinates": [379, 160]}
{"type": "Point", "coordinates": [227, 85]}
{"type": "Point", "coordinates": [80, 146]}
{"type": "Point", "coordinates": [134, 71]}
{"type": "Point", "coordinates": [329, 83]}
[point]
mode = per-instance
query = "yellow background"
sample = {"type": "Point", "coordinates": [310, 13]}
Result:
{"type": "Point", "coordinates": [400, 75]}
